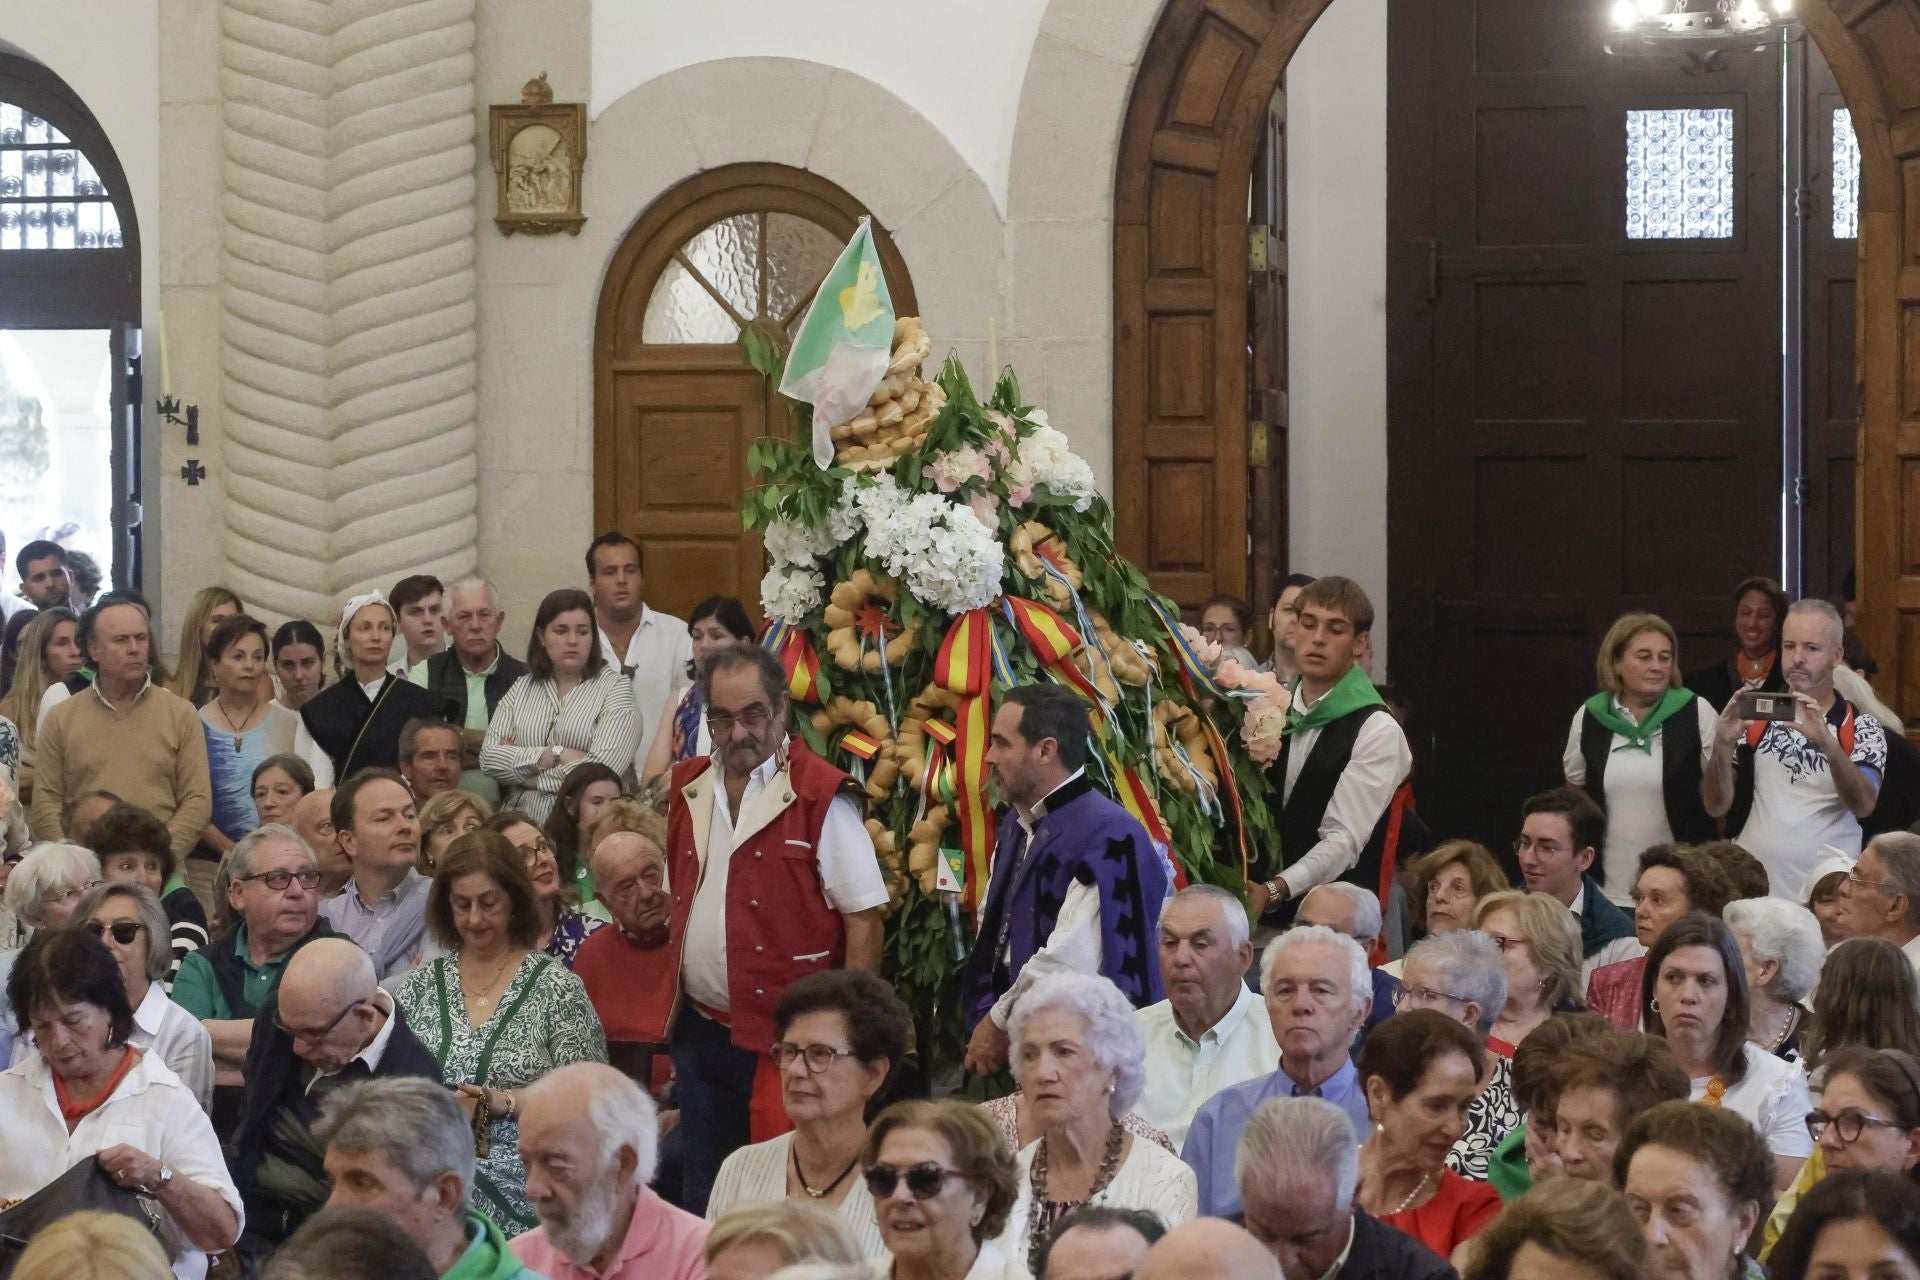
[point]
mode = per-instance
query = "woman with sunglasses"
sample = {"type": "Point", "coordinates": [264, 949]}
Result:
{"type": "Point", "coordinates": [563, 925]}
{"type": "Point", "coordinates": [943, 1185]}
{"type": "Point", "coordinates": [839, 1038]}
{"type": "Point", "coordinates": [129, 919]}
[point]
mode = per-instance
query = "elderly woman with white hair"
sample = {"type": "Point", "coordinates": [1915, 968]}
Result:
{"type": "Point", "coordinates": [48, 883]}
{"type": "Point", "coordinates": [129, 919]}
{"type": "Point", "coordinates": [1077, 1055]}
{"type": "Point", "coordinates": [1782, 950]}
{"type": "Point", "coordinates": [1462, 975]}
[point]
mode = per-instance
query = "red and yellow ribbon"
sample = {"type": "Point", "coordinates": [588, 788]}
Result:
{"type": "Point", "coordinates": [794, 648]}
{"type": "Point", "coordinates": [965, 667]}
{"type": "Point", "coordinates": [1053, 641]}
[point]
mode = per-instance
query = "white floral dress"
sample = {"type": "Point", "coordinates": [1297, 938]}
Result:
{"type": "Point", "coordinates": [543, 1021]}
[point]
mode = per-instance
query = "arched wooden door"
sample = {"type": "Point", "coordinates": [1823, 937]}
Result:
{"type": "Point", "coordinates": [675, 405]}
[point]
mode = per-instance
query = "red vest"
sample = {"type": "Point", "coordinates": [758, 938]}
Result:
{"type": "Point", "coordinates": [779, 924]}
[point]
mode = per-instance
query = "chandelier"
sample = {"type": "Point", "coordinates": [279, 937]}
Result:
{"type": "Point", "coordinates": [1679, 22]}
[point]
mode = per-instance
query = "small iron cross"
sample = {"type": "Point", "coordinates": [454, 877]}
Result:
{"type": "Point", "coordinates": [193, 473]}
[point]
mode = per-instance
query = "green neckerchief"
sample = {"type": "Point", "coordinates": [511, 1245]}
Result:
{"type": "Point", "coordinates": [1600, 707]}
{"type": "Point", "coordinates": [1353, 691]}
{"type": "Point", "coordinates": [175, 883]}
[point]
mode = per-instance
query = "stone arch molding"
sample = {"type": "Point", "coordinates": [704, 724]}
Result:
{"type": "Point", "coordinates": [347, 296]}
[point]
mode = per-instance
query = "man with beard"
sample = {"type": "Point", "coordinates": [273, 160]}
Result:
{"type": "Point", "coordinates": [773, 877]}
{"type": "Point", "coordinates": [1787, 787]}
{"type": "Point", "coordinates": [589, 1138]}
{"type": "Point", "coordinates": [384, 905]}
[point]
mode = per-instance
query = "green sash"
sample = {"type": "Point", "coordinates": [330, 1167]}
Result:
{"type": "Point", "coordinates": [1353, 691]}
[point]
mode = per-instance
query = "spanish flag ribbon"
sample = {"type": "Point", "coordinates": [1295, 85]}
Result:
{"type": "Point", "coordinates": [859, 744]}
{"type": "Point", "coordinates": [942, 775]}
{"type": "Point", "coordinates": [1053, 641]}
{"type": "Point", "coordinates": [1194, 676]}
{"type": "Point", "coordinates": [1218, 745]}
{"type": "Point", "coordinates": [794, 648]}
{"type": "Point", "coordinates": [969, 659]}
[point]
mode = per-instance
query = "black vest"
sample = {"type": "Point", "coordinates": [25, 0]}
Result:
{"type": "Point", "coordinates": [447, 679]}
{"type": "Point", "coordinates": [1300, 816]}
{"type": "Point", "coordinates": [1679, 772]}
{"type": "Point", "coordinates": [357, 732]}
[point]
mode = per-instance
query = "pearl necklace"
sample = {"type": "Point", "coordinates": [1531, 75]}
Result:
{"type": "Point", "coordinates": [1412, 1195]}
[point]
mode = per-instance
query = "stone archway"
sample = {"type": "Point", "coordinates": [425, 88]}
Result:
{"type": "Point", "coordinates": [1179, 351]}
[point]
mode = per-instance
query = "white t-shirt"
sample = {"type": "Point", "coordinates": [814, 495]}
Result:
{"type": "Point", "coordinates": [1772, 1097]}
{"type": "Point", "coordinates": [849, 876]}
{"type": "Point", "coordinates": [1795, 806]}
{"type": "Point", "coordinates": [1636, 801]}
{"type": "Point", "coordinates": [656, 660]}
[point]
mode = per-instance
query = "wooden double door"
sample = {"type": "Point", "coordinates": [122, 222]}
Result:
{"type": "Point", "coordinates": [1596, 397]}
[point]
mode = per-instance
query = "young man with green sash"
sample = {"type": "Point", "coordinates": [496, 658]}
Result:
{"type": "Point", "coordinates": [1341, 760]}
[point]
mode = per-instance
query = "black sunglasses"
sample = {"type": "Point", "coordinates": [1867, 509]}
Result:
{"type": "Point", "coordinates": [924, 1181]}
{"type": "Point", "coordinates": [123, 931]}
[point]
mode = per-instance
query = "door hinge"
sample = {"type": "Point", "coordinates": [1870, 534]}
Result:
{"type": "Point", "coordinates": [1263, 249]}
{"type": "Point", "coordinates": [1257, 444]}
{"type": "Point", "coordinates": [1802, 204]}
{"type": "Point", "coordinates": [1800, 491]}
{"type": "Point", "coordinates": [1433, 267]}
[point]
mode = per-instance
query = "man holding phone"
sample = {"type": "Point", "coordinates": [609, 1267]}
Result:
{"type": "Point", "coordinates": [1790, 776]}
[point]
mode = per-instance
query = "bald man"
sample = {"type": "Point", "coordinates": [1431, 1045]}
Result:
{"type": "Point", "coordinates": [627, 971]}
{"type": "Point", "coordinates": [590, 1139]}
{"type": "Point", "coordinates": [1206, 1249]}
{"type": "Point", "coordinates": [327, 1024]}
{"type": "Point", "coordinates": [312, 817]}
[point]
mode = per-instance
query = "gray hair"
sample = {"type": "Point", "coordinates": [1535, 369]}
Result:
{"type": "Point", "coordinates": [1470, 968]}
{"type": "Point", "coordinates": [624, 1116]}
{"type": "Point", "coordinates": [1900, 852]}
{"type": "Point", "coordinates": [1787, 934]}
{"type": "Point", "coordinates": [1232, 910]}
{"type": "Point", "coordinates": [1366, 906]}
{"type": "Point", "coordinates": [411, 1120]}
{"type": "Point", "coordinates": [1817, 607]}
{"type": "Point", "coordinates": [475, 584]}
{"type": "Point", "coordinates": [239, 860]}
{"type": "Point", "coordinates": [153, 921]}
{"type": "Point", "coordinates": [1290, 1143]}
{"type": "Point", "coordinates": [1113, 1034]}
{"type": "Point", "coordinates": [823, 1271]}
{"type": "Point", "coordinates": [48, 867]}
{"type": "Point", "coordinates": [1359, 972]}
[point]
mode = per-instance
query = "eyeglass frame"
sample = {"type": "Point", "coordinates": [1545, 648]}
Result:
{"type": "Point", "coordinates": [1888, 887]}
{"type": "Point", "coordinates": [720, 724]}
{"type": "Point", "coordinates": [1817, 1122]}
{"type": "Point", "coordinates": [323, 1033]}
{"type": "Point", "coordinates": [68, 895]}
{"type": "Point", "coordinates": [1404, 993]}
{"type": "Point", "coordinates": [805, 1053]}
{"type": "Point", "coordinates": [101, 928]}
{"type": "Point", "coordinates": [309, 878]}
{"type": "Point", "coordinates": [895, 1176]}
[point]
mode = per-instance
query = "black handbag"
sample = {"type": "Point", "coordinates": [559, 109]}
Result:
{"type": "Point", "coordinates": [85, 1187]}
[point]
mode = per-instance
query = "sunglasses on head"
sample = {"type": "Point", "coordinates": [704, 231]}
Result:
{"type": "Point", "coordinates": [924, 1181]}
{"type": "Point", "coordinates": [123, 931]}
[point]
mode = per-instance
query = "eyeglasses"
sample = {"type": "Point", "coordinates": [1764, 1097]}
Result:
{"type": "Point", "coordinates": [1885, 886]}
{"type": "Point", "coordinates": [315, 1037]}
{"type": "Point", "coordinates": [123, 931]}
{"type": "Point", "coordinates": [924, 1181]}
{"type": "Point", "coordinates": [1420, 997]}
{"type": "Point", "coordinates": [1545, 847]}
{"type": "Point", "coordinates": [720, 723]}
{"type": "Point", "coordinates": [1849, 1124]}
{"type": "Point", "coordinates": [533, 851]}
{"type": "Point", "coordinates": [818, 1057]}
{"type": "Point", "coordinates": [279, 880]}
{"type": "Point", "coordinates": [57, 897]}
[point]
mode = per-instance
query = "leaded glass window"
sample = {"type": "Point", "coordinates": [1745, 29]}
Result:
{"type": "Point", "coordinates": [1680, 174]}
{"type": "Point", "coordinates": [746, 267]}
{"type": "Point", "coordinates": [50, 196]}
{"type": "Point", "coordinates": [1846, 177]}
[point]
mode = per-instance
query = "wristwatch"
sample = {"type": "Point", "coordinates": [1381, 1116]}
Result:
{"type": "Point", "coordinates": [1276, 890]}
{"type": "Point", "coordinates": [160, 1183]}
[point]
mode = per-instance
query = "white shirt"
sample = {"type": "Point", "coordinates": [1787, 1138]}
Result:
{"type": "Point", "coordinates": [1619, 949]}
{"type": "Point", "coordinates": [848, 867]}
{"type": "Point", "coordinates": [991, 1263]}
{"type": "Point", "coordinates": [1150, 1178]}
{"type": "Point", "coordinates": [758, 1173]}
{"type": "Point", "coordinates": [1380, 762]}
{"type": "Point", "coordinates": [178, 1039]}
{"type": "Point", "coordinates": [1183, 1073]}
{"type": "Point", "coordinates": [149, 1109]}
{"type": "Point", "coordinates": [56, 693]}
{"type": "Point", "coordinates": [1772, 1097]}
{"type": "Point", "coordinates": [1636, 796]}
{"type": "Point", "coordinates": [1074, 945]}
{"type": "Point", "coordinates": [1796, 807]}
{"type": "Point", "coordinates": [657, 656]}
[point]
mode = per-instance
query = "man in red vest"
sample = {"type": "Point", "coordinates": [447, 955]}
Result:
{"type": "Point", "coordinates": [773, 877]}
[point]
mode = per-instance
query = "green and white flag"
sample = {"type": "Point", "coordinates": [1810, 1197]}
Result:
{"type": "Point", "coordinates": [841, 352]}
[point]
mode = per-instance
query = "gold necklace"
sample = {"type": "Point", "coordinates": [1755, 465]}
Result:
{"type": "Point", "coordinates": [484, 996]}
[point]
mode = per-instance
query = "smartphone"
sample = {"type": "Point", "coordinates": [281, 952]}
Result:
{"type": "Point", "coordinates": [1756, 705]}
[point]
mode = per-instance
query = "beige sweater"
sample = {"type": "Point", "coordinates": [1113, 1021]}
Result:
{"type": "Point", "coordinates": [151, 752]}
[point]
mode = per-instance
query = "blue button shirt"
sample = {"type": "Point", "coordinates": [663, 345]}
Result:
{"type": "Point", "coordinates": [1215, 1134]}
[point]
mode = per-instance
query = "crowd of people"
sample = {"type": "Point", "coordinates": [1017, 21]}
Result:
{"type": "Point", "coordinates": [403, 956]}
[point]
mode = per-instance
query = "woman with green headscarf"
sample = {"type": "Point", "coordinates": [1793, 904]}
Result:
{"type": "Point", "coordinates": [1637, 748]}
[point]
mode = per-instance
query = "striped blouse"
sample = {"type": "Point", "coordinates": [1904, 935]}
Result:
{"type": "Point", "coordinates": [596, 717]}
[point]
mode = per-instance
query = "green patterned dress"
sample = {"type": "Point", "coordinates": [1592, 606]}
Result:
{"type": "Point", "coordinates": [543, 1021]}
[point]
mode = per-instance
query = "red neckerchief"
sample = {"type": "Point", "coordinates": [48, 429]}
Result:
{"type": "Point", "coordinates": [72, 1110]}
{"type": "Point", "coordinates": [1750, 673]}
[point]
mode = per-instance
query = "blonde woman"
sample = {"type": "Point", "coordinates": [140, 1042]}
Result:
{"type": "Point", "coordinates": [753, 1241]}
{"type": "Point", "coordinates": [1539, 941]}
{"type": "Point", "coordinates": [1637, 747]}
{"type": "Point", "coordinates": [93, 1246]}
{"type": "Point", "coordinates": [209, 608]}
{"type": "Point", "coordinates": [49, 653]}
{"type": "Point", "coordinates": [445, 818]}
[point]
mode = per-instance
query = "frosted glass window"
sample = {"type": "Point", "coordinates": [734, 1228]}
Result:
{"type": "Point", "coordinates": [1846, 177]}
{"type": "Point", "coordinates": [1680, 174]}
{"type": "Point", "coordinates": [50, 196]}
{"type": "Point", "coordinates": [745, 267]}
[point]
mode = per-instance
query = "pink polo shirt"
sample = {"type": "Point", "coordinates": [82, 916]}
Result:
{"type": "Point", "coordinates": [663, 1243]}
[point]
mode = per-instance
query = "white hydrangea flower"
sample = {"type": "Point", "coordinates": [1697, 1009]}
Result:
{"type": "Point", "coordinates": [790, 593]}
{"type": "Point", "coordinates": [789, 542]}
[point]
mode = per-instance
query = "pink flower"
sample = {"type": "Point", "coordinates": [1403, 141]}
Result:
{"type": "Point", "coordinates": [1232, 675]}
{"type": "Point", "coordinates": [1263, 728]}
{"type": "Point", "coordinates": [954, 468]}
{"type": "Point", "coordinates": [1204, 649]}
{"type": "Point", "coordinates": [986, 509]}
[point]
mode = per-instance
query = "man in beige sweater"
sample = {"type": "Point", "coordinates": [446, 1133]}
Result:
{"type": "Point", "coordinates": [126, 735]}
